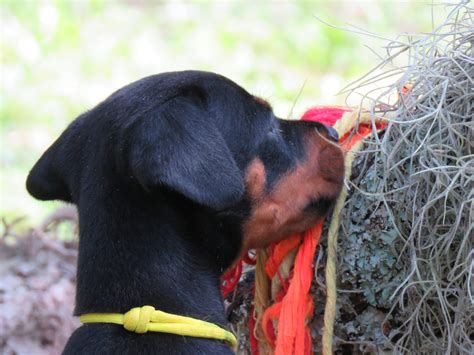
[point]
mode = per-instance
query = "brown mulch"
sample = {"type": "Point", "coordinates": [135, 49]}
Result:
{"type": "Point", "coordinates": [37, 288]}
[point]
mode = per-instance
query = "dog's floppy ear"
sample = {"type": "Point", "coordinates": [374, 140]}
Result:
{"type": "Point", "coordinates": [178, 145]}
{"type": "Point", "coordinates": [45, 180]}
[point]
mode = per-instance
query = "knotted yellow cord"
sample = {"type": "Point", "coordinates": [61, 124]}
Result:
{"type": "Point", "coordinates": [143, 319]}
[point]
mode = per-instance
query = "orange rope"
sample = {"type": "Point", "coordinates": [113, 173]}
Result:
{"type": "Point", "coordinates": [278, 252]}
{"type": "Point", "coordinates": [296, 306]}
{"type": "Point", "coordinates": [293, 305]}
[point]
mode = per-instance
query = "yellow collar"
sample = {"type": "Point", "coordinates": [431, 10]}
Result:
{"type": "Point", "coordinates": [146, 318]}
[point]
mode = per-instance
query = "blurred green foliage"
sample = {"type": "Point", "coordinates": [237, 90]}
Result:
{"type": "Point", "coordinates": [60, 58]}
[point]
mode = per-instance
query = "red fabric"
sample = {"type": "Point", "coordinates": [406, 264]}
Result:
{"type": "Point", "coordinates": [251, 327]}
{"type": "Point", "coordinates": [250, 260]}
{"type": "Point", "coordinates": [230, 279]}
{"type": "Point", "coordinates": [327, 115]}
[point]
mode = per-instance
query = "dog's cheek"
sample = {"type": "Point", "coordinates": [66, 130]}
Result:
{"type": "Point", "coordinates": [255, 180]}
{"type": "Point", "coordinates": [278, 213]}
{"type": "Point", "coordinates": [283, 211]}
{"type": "Point", "coordinates": [261, 217]}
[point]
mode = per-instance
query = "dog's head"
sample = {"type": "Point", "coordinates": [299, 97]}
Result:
{"type": "Point", "coordinates": [237, 171]}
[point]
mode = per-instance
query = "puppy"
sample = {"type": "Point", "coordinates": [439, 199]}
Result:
{"type": "Point", "coordinates": [174, 176]}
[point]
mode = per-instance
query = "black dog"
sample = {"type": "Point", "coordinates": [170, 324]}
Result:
{"type": "Point", "coordinates": [174, 176]}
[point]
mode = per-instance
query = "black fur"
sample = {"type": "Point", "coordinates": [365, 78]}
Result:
{"type": "Point", "coordinates": [157, 173]}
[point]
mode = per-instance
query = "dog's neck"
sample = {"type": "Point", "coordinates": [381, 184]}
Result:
{"type": "Point", "coordinates": [145, 256]}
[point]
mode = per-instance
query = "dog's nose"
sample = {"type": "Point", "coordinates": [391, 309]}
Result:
{"type": "Point", "coordinates": [332, 134]}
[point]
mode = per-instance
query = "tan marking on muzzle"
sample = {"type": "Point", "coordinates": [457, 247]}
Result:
{"type": "Point", "coordinates": [280, 213]}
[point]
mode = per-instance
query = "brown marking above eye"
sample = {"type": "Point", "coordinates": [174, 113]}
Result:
{"type": "Point", "coordinates": [255, 179]}
{"type": "Point", "coordinates": [283, 211]}
{"type": "Point", "coordinates": [263, 102]}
